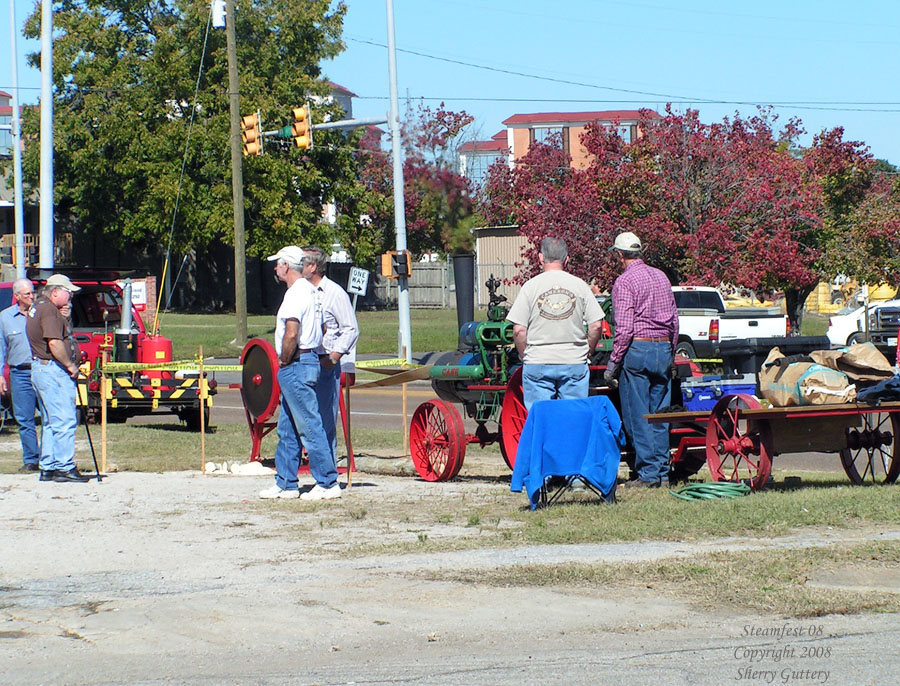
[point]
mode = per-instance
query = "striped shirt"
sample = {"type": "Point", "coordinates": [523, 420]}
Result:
{"type": "Point", "coordinates": [341, 329]}
{"type": "Point", "coordinates": [644, 308]}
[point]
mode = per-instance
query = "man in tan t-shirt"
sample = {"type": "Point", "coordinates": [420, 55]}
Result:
{"type": "Point", "coordinates": [54, 369]}
{"type": "Point", "coordinates": [548, 319]}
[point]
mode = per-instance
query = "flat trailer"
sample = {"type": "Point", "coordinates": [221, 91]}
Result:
{"type": "Point", "coordinates": [739, 438]}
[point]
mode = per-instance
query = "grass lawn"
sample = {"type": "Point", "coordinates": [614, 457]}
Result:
{"type": "Point", "coordinates": [432, 330]}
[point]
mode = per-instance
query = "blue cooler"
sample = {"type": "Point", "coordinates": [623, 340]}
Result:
{"type": "Point", "coordinates": [702, 393]}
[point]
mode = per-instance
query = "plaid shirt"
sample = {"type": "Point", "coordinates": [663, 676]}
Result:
{"type": "Point", "coordinates": [644, 307]}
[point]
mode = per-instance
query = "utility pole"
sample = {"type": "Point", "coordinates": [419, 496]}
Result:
{"type": "Point", "coordinates": [237, 179]}
{"type": "Point", "coordinates": [46, 257]}
{"type": "Point", "coordinates": [405, 351]}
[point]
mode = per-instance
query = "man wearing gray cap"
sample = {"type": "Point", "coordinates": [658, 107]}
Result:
{"type": "Point", "coordinates": [643, 350]}
{"type": "Point", "coordinates": [54, 370]}
{"type": "Point", "coordinates": [16, 351]}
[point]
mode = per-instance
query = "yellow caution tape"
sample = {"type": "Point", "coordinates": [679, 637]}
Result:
{"type": "Point", "coordinates": [169, 366]}
{"type": "Point", "coordinates": [369, 364]}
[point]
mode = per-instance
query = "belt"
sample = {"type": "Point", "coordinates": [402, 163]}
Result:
{"type": "Point", "coordinates": [653, 339]}
{"type": "Point", "coordinates": [27, 365]}
{"type": "Point", "coordinates": [299, 352]}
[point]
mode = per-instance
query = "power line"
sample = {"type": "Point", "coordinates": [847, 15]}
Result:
{"type": "Point", "coordinates": [674, 99]}
{"type": "Point", "coordinates": [812, 105]}
{"type": "Point", "coordinates": [526, 75]}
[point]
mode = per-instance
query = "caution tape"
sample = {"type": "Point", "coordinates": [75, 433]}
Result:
{"type": "Point", "coordinates": [708, 360]}
{"type": "Point", "coordinates": [369, 364]}
{"type": "Point", "coordinates": [169, 366]}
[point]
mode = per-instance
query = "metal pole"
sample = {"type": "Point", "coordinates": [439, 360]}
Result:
{"type": "Point", "coordinates": [45, 258]}
{"type": "Point", "coordinates": [399, 211]}
{"type": "Point", "coordinates": [237, 180]}
{"type": "Point", "coordinates": [16, 131]}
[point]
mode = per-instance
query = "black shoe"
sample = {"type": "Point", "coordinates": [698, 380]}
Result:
{"type": "Point", "coordinates": [29, 467]}
{"type": "Point", "coordinates": [71, 475]}
{"type": "Point", "coordinates": [637, 483]}
{"type": "Point", "coordinates": [47, 475]}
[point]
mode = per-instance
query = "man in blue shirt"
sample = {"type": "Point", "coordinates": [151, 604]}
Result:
{"type": "Point", "coordinates": [16, 352]}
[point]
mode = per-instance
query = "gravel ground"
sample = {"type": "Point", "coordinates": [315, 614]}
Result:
{"type": "Point", "coordinates": [178, 578]}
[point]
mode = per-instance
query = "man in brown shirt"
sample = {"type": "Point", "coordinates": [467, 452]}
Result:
{"type": "Point", "coordinates": [54, 370]}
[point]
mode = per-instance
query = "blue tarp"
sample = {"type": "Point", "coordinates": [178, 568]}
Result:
{"type": "Point", "coordinates": [575, 437]}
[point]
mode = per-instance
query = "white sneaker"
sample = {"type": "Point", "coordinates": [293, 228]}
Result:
{"type": "Point", "coordinates": [319, 493]}
{"type": "Point", "coordinates": [276, 492]}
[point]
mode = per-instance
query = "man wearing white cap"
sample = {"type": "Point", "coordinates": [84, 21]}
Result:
{"type": "Point", "coordinates": [54, 370]}
{"type": "Point", "coordinates": [643, 350]}
{"type": "Point", "coordinates": [298, 334]}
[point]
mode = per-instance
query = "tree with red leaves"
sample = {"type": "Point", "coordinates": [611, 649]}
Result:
{"type": "Point", "coordinates": [439, 203]}
{"type": "Point", "coordinates": [725, 202]}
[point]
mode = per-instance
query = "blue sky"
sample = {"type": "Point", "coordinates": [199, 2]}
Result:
{"type": "Point", "coordinates": [832, 61]}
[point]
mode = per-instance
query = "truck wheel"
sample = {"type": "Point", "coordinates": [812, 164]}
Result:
{"type": "Point", "coordinates": [191, 418]}
{"type": "Point", "coordinates": [686, 349]}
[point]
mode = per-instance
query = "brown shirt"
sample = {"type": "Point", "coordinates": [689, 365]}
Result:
{"type": "Point", "coordinates": [45, 322]}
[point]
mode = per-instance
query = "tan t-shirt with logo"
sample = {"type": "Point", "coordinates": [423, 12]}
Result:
{"type": "Point", "coordinates": [555, 306]}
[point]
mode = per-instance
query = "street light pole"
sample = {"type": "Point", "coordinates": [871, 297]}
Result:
{"type": "Point", "coordinates": [45, 258]}
{"type": "Point", "coordinates": [399, 205]}
{"type": "Point", "coordinates": [237, 179]}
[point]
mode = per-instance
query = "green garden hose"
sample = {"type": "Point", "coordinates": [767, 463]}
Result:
{"type": "Point", "coordinates": [719, 489]}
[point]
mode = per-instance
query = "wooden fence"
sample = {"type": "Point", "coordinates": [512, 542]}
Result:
{"type": "Point", "coordinates": [431, 285]}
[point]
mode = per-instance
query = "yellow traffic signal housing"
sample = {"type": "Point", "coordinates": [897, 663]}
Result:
{"type": "Point", "coordinates": [395, 264]}
{"type": "Point", "coordinates": [301, 130]}
{"type": "Point", "coordinates": [251, 134]}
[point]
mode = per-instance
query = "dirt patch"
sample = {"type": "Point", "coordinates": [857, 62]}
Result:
{"type": "Point", "coordinates": [154, 577]}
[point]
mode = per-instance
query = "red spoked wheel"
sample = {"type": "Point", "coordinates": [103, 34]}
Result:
{"type": "Point", "coordinates": [738, 448]}
{"type": "Point", "coordinates": [437, 440]}
{"type": "Point", "coordinates": [512, 418]}
{"type": "Point", "coordinates": [872, 453]}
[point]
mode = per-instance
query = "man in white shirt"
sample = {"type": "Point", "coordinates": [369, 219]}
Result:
{"type": "Point", "coordinates": [298, 334]}
{"type": "Point", "coordinates": [338, 352]}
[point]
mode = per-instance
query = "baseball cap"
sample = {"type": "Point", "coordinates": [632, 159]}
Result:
{"type": "Point", "coordinates": [627, 242]}
{"type": "Point", "coordinates": [62, 281]}
{"type": "Point", "coordinates": [289, 253]}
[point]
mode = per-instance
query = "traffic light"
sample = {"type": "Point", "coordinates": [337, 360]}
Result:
{"type": "Point", "coordinates": [251, 134]}
{"type": "Point", "coordinates": [302, 128]}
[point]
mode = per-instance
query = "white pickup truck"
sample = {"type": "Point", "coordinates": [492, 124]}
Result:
{"type": "Point", "coordinates": [704, 321]}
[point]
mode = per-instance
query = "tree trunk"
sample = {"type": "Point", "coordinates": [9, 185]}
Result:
{"type": "Point", "coordinates": [794, 298]}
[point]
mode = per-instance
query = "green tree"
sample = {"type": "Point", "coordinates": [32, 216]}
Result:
{"type": "Point", "coordinates": [125, 73]}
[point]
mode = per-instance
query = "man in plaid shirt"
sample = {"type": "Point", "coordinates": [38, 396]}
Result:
{"type": "Point", "coordinates": [643, 351]}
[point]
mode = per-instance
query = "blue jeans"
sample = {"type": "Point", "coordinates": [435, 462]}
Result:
{"type": "Point", "coordinates": [328, 391]}
{"type": "Point", "coordinates": [24, 403]}
{"type": "Point", "coordinates": [644, 388]}
{"type": "Point", "coordinates": [551, 381]}
{"type": "Point", "coordinates": [299, 422]}
{"type": "Point", "coordinates": [56, 399]}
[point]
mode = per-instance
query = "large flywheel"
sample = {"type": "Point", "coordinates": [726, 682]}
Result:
{"type": "Point", "coordinates": [260, 391]}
